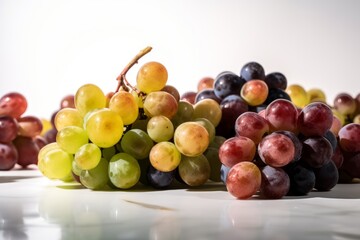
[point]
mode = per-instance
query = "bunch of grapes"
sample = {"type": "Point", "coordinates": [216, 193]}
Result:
{"type": "Point", "coordinates": [20, 136]}
{"type": "Point", "coordinates": [135, 134]}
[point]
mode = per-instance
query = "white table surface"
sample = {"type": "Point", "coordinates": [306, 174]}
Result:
{"type": "Point", "coordinates": [34, 207]}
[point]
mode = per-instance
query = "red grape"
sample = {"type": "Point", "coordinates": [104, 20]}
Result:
{"type": "Point", "coordinates": [237, 149]}
{"type": "Point", "coordinates": [282, 114]}
{"type": "Point", "coordinates": [13, 104]}
{"type": "Point", "coordinates": [8, 129]}
{"type": "Point", "coordinates": [275, 183]}
{"type": "Point", "coordinates": [8, 156]}
{"type": "Point", "coordinates": [67, 101]}
{"type": "Point", "coordinates": [317, 151]}
{"type": "Point", "coordinates": [251, 125]}
{"type": "Point", "coordinates": [27, 151]}
{"type": "Point", "coordinates": [29, 126]}
{"type": "Point", "coordinates": [349, 137]}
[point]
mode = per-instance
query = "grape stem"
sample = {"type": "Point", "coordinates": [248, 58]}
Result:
{"type": "Point", "coordinates": [122, 81]}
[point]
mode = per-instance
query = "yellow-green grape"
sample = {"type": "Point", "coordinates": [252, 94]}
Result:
{"type": "Point", "coordinates": [137, 143]}
{"type": "Point", "coordinates": [209, 109]}
{"type": "Point", "coordinates": [208, 126]}
{"type": "Point", "coordinates": [68, 117]}
{"type": "Point", "coordinates": [164, 156]}
{"type": "Point", "coordinates": [56, 164]}
{"type": "Point", "coordinates": [298, 95]}
{"type": "Point", "coordinates": [151, 77]}
{"type": "Point", "coordinates": [184, 113]}
{"type": "Point", "coordinates": [160, 103]}
{"type": "Point", "coordinates": [71, 138]}
{"type": "Point", "coordinates": [46, 126]}
{"type": "Point", "coordinates": [254, 92]}
{"type": "Point", "coordinates": [160, 128]}
{"type": "Point", "coordinates": [89, 97]}
{"type": "Point", "coordinates": [194, 171]}
{"type": "Point", "coordinates": [356, 119]}
{"type": "Point", "coordinates": [191, 139]}
{"type": "Point", "coordinates": [316, 95]}
{"type": "Point", "coordinates": [75, 168]}
{"type": "Point", "coordinates": [96, 178]}
{"type": "Point", "coordinates": [124, 170]}
{"type": "Point", "coordinates": [125, 105]}
{"type": "Point", "coordinates": [104, 127]}
{"type": "Point", "coordinates": [340, 116]}
{"type": "Point", "coordinates": [45, 149]}
{"type": "Point", "coordinates": [88, 156]}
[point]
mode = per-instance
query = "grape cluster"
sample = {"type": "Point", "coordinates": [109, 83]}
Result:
{"type": "Point", "coordinates": [20, 135]}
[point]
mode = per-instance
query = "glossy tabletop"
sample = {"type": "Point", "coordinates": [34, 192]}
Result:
{"type": "Point", "coordinates": [34, 207]}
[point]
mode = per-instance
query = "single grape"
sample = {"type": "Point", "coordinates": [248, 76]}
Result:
{"type": "Point", "coordinates": [251, 125]}
{"type": "Point", "coordinates": [206, 94]}
{"type": "Point", "coordinates": [205, 83]}
{"type": "Point", "coordinates": [275, 183]}
{"type": "Point", "coordinates": [183, 114]}
{"type": "Point", "coordinates": [276, 93]}
{"type": "Point", "coordinates": [68, 117]}
{"type": "Point", "coordinates": [46, 149]}
{"type": "Point", "coordinates": [209, 109]}
{"type": "Point", "coordinates": [67, 101]}
{"type": "Point", "coordinates": [254, 92]}
{"type": "Point", "coordinates": [298, 95]}
{"type": "Point", "coordinates": [316, 151]}
{"type": "Point", "coordinates": [276, 80]}
{"type": "Point", "coordinates": [124, 171]}
{"type": "Point", "coordinates": [276, 150]}
{"type": "Point", "coordinates": [160, 103]}
{"type": "Point", "coordinates": [13, 104]}
{"type": "Point", "coordinates": [252, 70]}
{"type": "Point", "coordinates": [160, 128]}
{"type": "Point", "coordinates": [29, 126]}
{"type": "Point", "coordinates": [243, 180]}
{"type": "Point", "coordinates": [194, 171]}
{"type": "Point", "coordinates": [191, 139]}
{"type": "Point", "coordinates": [173, 91]}
{"type": "Point", "coordinates": [89, 97]}
{"type": "Point", "coordinates": [315, 119]}
{"type": "Point", "coordinates": [88, 156]}
{"type": "Point", "coordinates": [56, 164]}
{"type": "Point", "coordinates": [96, 178]}
{"type": "Point", "coordinates": [8, 129]}
{"type": "Point", "coordinates": [164, 156]}
{"type": "Point", "coordinates": [281, 114]}
{"type": "Point", "coordinates": [8, 156]}
{"type": "Point", "coordinates": [297, 144]}
{"type": "Point", "coordinates": [71, 138]}
{"type": "Point", "coordinates": [50, 135]}
{"type": "Point", "coordinates": [189, 97]}
{"type": "Point", "coordinates": [351, 165]}
{"type": "Point", "coordinates": [237, 149]}
{"type": "Point", "coordinates": [159, 179]}
{"type": "Point", "coordinates": [326, 177]}
{"type": "Point", "coordinates": [316, 95]}
{"type": "Point", "coordinates": [104, 128]}
{"type": "Point", "coordinates": [212, 155]}
{"type": "Point", "coordinates": [151, 77]}
{"type": "Point", "coordinates": [344, 103]}
{"type": "Point", "coordinates": [27, 151]}
{"type": "Point", "coordinates": [137, 143]}
{"type": "Point", "coordinates": [349, 137]}
{"type": "Point", "coordinates": [302, 179]}
{"type": "Point", "coordinates": [125, 105]}
{"type": "Point", "coordinates": [227, 84]}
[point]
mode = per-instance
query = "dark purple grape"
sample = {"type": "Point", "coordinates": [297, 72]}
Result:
{"type": "Point", "coordinates": [276, 80]}
{"type": "Point", "coordinates": [276, 93]}
{"type": "Point", "coordinates": [338, 157]}
{"type": "Point", "coordinates": [159, 179]}
{"type": "Point", "coordinates": [8, 129]}
{"type": "Point", "coordinates": [27, 151]}
{"type": "Point", "coordinates": [227, 84]}
{"type": "Point", "coordinates": [316, 151]}
{"type": "Point", "coordinates": [351, 164]}
{"type": "Point", "coordinates": [330, 136]}
{"type": "Point", "coordinates": [8, 156]}
{"type": "Point", "coordinates": [231, 107]}
{"type": "Point", "coordinates": [275, 183]}
{"type": "Point", "coordinates": [349, 137]}
{"type": "Point", "coordinates": [50, 135]}
{"type": "Point", "coordinates": [302, 179]}
{"type": "Point", "coordinates": [205, 94]}
{"type": "Point", "coordinates": [224, 170]}
{"type": "Point", "coordinates": [251, 71]}
{"type": "Point", "coordinates": [326, 177]}
{"type": "Point", "coordinates": [144, 167]}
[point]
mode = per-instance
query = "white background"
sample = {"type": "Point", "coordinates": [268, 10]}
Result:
{"type": "Point", "coordinates": [50, 48]}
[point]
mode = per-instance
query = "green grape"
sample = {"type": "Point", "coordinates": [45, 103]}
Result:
{"type": "Point", "coordinates": [209, 109]}
{"type": "Point", "coordinates": [164, 156]}
{"type": "Point", "coordinates": [68, 117]}
{"type": "Point", "coordinates": [137, 143]}
{"type": "Point", "coordinates": [208, 126]}
{"type": "Point", "coordinates": [125, 105]}
{"type": "Point", "coordinates": [212, 155]}
{"type": "Point", "coordinates": [75, 168]}
{"type": "Point", "coordinates": [160, 129]}
{"type": "Point", "coordinates": [217, 142]}
{"type": "Point", "coordinates": [104, 128]}
{"type": "Point", "coordinates": [160, 103]}
{"type": "Point", "coordinates": [298, 95]}
{"type": "Point", "coordinates": [71, 138]}
{"type": "Point", "coordinates": [45, 149]}
{"type": "Point", "coordinates": [88, 156]}
{"type": "Point", "coordinates": [191, 139]}
{"type": "Point", "coordinates": [96, 178]}
{"type": "Point", "coordinates": [140, 124]}
{"type": "Point", "coordinates": [107, 153]}
{"type": "Point", "coordinates": [152, 76]}
{"type": "Point", "coordinates": [124, 170]}
{"type": "Point", "coordinates": [183, 114]}
{"type": "Point", "coordinates": [89, 97]}
{"type": "Point", "coordinates": [194, 171]}
{"type": "Point", "coordinates": [56, 164]}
